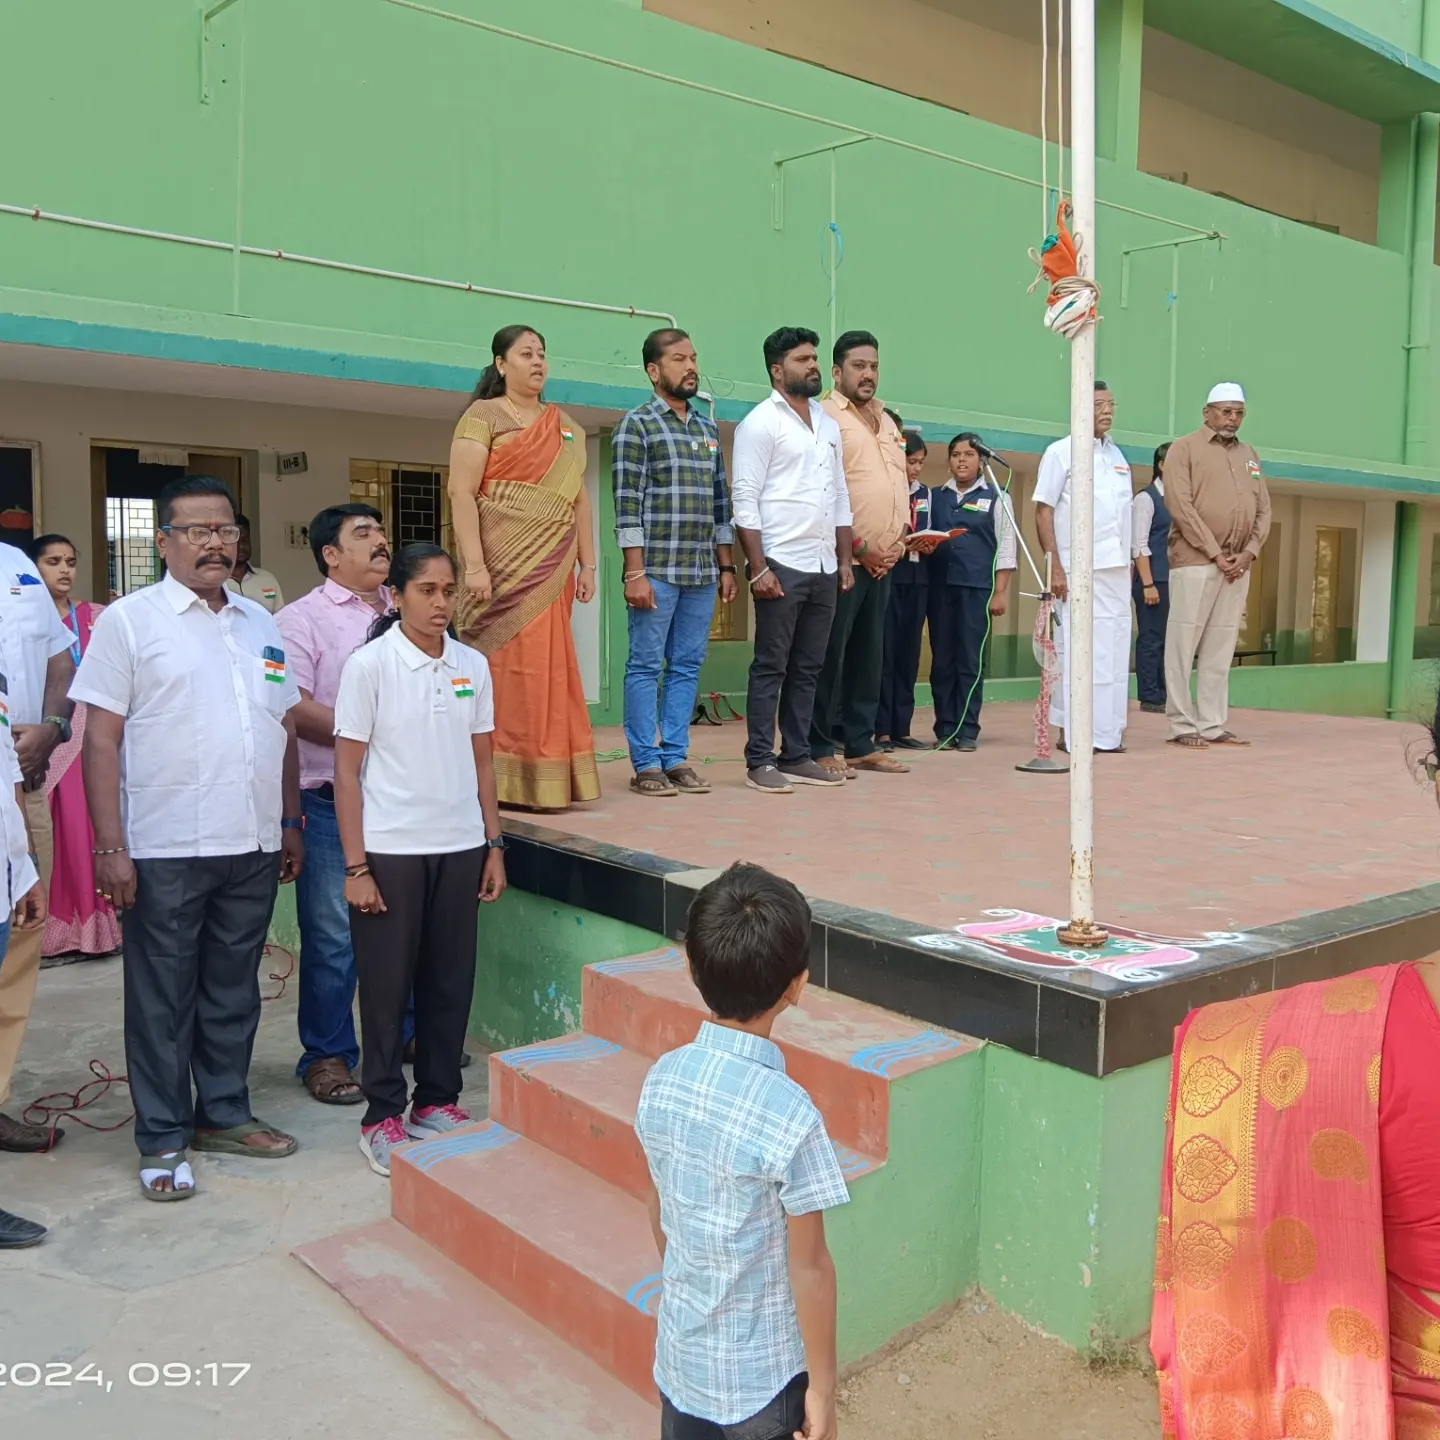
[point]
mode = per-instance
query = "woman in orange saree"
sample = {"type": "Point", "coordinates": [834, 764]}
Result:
{"type": "Point", "coordinates": [522, 520]}
{"type": "Point", "coordinates": [1297, 1285]}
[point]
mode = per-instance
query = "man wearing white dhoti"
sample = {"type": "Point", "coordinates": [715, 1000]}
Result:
{"type": "Point", "coordinates": [1113, 496]}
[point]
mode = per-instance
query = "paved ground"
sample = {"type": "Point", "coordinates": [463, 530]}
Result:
{"type": "Point", "coordinates": [1320, 812]}
{"type": "Point", "coordinates": [121, 1281]}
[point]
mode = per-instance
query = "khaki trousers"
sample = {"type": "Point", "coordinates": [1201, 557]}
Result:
{"type": "Point", "coordinates": [21, 967]}
{"type": "Point", "coordinates": [1205, 614]}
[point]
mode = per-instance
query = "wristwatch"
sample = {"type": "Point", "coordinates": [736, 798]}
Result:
{"type": "Point", "coordinates": [728, 570]}
{"type": "Point", "coordinates": [61, 724]}
{"type": "Point", "coordinates": [293, 822]}
{"type": "Point", "coordinates": [498, 843]}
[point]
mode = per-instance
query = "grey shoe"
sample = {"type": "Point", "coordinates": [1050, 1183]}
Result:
{"type": "Point", "coordinates": [809, 772]}
{"type": "Point", "coordinates": [769, 779]}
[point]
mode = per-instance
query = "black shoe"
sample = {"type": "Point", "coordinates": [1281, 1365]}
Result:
{"type": "Point", "coordinates": [18, 1234]}
{"type": "Point", "coordinates": [909, 742]}
{"type": "Point", "coordinates": [884, 742]}
{"type": "Point", "coordinates": [967, 744]}
{"type": "Point", "coordinates": [1151, 708]}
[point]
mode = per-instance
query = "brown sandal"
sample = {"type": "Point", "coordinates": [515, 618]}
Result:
{"type": "Point", "coordinates": [686, 781]}
{"type": "Point", "coordinates": [1190, 742]}
{"type": "Point", "coordinates": [1228, 737]}
{"type": "Point", "coordinates": [331, 1083]}
{"type": "Point", "coordinates": [879, 764]}
{"type": "Point", "coordinates": [652, 783]}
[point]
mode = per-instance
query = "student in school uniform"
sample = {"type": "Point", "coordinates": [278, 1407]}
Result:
{"type": "Point", "coordinates": [905, 618]}
{"type": "Point", "coordinates": [420, 826]}
{"type": "Point", "coordinates": [969, 579]}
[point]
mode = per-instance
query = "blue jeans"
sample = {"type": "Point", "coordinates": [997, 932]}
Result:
{"type": "Point", "coordinates": [327, 963]}
{"type": "Point", "coordinates": [674, 634]}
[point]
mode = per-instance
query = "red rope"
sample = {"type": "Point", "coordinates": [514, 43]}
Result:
{"type": "Point", "coordinates": [46, 1114]}
{"type": "Point", "coordinates": [43, 1112]}
{"type": "Point", "coordinates": [717, 699]}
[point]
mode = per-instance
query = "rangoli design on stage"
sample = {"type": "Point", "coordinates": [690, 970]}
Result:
{"type": "Point", "coordinates": [1030, 939]}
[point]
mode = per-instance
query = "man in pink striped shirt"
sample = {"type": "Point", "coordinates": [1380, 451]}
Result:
{"type": "Point", "coordinates": [321, 631]}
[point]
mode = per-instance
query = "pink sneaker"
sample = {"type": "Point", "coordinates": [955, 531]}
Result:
{"type": "Point", "coordinates": [435, 1120]}
{"type": "Point", "coordinates": [377, 1141]}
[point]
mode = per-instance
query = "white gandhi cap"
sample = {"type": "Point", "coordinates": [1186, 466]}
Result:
{"type": "Point", "coordinates": [1226, 393]}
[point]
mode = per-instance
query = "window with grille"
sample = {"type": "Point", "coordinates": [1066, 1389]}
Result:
{"type": "Point", "coordinates": [130, 542]}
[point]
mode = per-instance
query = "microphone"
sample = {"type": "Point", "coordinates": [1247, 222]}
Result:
{"type": "Point", "coordinates": [986, 453]}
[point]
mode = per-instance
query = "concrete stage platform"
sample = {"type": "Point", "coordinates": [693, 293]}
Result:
{"type": "Point", "coordinates": [1221, 872]}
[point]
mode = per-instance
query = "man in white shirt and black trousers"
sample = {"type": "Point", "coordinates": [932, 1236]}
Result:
{"type": "Point", "coordinates": [190, 703]}
{"type": "Point", "coordinates": [792, 518]}
{"type": "Point", "coordinates": [1111, 574]}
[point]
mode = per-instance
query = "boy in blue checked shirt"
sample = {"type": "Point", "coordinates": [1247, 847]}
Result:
{"type": "Point", "coordinates": [743, 1172]}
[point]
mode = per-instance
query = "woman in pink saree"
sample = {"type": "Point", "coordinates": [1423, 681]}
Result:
{"type": "Point", "coordinates": [1297, 1286]}
{"type": "Point", "coordinates": [80, 922]}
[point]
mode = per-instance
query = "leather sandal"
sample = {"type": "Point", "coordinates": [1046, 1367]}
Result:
{"type": "Point", "coordinates": [836, 766]}
{"type": "Point", "coordinates": [1227, 737]}
{"type": "Point", "coordinates": [232, 1141]}
{"type": "Point", "coordinates": [331, 1082]}
{"type": "Point", "coordinates": [880, 765]}
{"type": "Point", "coordinates": [686, 781]}
{"type": "Point", "coordinates": [1189, 742]}
{"type": "Point", "coordinates": [652, 783]}
{"type": "Point", "coordinates": [22, 1139]}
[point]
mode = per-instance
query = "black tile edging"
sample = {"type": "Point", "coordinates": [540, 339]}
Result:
{"type": "Point", "coordinates": [1077, 1019]}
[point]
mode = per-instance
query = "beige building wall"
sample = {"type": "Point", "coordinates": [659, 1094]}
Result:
{"type": "Point", "coordinates": [1205, 122]}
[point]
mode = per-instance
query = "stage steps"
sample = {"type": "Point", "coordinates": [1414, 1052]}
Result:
{"type": "Point", "coordinates": [519, 1267]}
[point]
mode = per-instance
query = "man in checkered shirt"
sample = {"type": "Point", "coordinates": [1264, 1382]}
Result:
{"type": "Point", "coordinates": [672, 520]}
{"type": "Point", "coordinates": [743, 1172]}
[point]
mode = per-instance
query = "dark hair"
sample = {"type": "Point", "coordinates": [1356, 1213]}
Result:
{"type": "Point", "coordinates": [748, 938]}
{"type": "Point", "coordinates": [779, 343]}
{"type": "Point", "coordinates": [1158, 464]}
{"type": "Point", "coordinates": [243, 521]}
{"type": "Point", "coordinates": [491, 384]}
{"type": "Point", "coordinates": [965, 437]}
{"type": "Point", "coordinates": [187, 486]}
{"type": "Point", "coordinates": [1100, 385]}
{"type": "Point", "coordinates": [657, 342]}
{"type": "Point", "coordinates": [852, 340]}
{"type": "Point", "coordinates": [404, 567]}
{"type": "Point", "coordinates": [325, 528]}
{"type": "Point", "coordinates": [915, 444]}
{"type": "Point", "coordinates": [895, 416]}
{"type": "Point", "coordinates": [41, 543]}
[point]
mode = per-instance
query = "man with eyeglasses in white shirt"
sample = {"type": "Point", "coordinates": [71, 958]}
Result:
{"type": "Point", "coordinates": [792, 518]}
{"type": "Point", "coordinates": [193, 781]}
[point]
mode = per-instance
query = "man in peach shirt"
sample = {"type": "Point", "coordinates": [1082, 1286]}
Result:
{"type": "Point", "coordinates": [848, 694]}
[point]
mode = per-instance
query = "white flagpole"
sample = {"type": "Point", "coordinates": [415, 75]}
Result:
{"type": "Point", "coordinates": [1080, 636]}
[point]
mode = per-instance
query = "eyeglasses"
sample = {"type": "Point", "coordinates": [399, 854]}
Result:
{"type": "Point", "coordinates": [199, 535]}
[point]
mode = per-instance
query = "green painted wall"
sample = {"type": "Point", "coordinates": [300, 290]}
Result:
{"type": "Point", "coordinates": [1069, 1193]}
{"type": "Point", "coordinates": [906, 1244]}
{"type": "Point", "coordinates": [349, 129]}
{"type": "Point", "coordinates": [1397, 21]}
{"type": "Point", "coordinates": [531, 953]}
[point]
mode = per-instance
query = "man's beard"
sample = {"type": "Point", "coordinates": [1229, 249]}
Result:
{"type": "Point", "coordinates": [682, 390]}
{"type": "Point", "coordinates": [808, 387]}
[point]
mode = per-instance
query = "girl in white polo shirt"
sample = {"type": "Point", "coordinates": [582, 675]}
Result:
{"type": "Point", "coordinates": [420, 827]}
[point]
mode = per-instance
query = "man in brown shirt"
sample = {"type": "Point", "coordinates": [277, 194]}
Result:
{"type": "Point", "coordinates": [873, 450]}
{"type": "Point", "coordinates": [1220, 516]}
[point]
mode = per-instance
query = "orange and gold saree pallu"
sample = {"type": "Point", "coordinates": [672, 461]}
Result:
{"type": "Point", "coordinates": [544, 748]}
{"type": "Point", "coordinates": [1272, 1312]}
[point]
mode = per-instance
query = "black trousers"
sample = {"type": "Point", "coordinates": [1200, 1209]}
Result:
{"type": "Point", "coordinates": [904, 639]}
{"type": "Point", "coordinates": [847, 694]}
{"type": "Point", "coordinates": [959, 619]}
{"type": "Point", "coordinates": [781, 1419]}
{"type": "Point", "coordinates": [192, 946]}
{"type": "Point", "coordinates": [423, 941]}
{"type": "Point", "coordinates": [791, 634]}
{"type": "Point", "coordinates": [1150, 623]}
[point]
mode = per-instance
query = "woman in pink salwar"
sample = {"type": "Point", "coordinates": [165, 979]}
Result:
{"type": "Point", "coordinates": [80, 922]}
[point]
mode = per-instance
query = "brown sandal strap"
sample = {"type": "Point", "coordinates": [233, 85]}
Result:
{"type": "Point", "coordinates": [325, 1079]}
